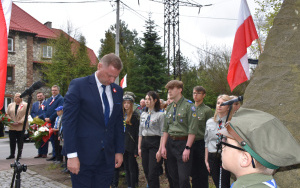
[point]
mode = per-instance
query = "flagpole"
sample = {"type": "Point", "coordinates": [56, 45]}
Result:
{"type": "Point", "coordinates": [259, 44]}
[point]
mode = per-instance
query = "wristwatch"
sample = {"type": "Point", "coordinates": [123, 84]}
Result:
{"type": "Point", "coordinates": [187, 147]}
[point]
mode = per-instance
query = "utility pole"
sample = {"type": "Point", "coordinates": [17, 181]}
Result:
{"type": "Point", "coordinates": [117, 45]}
{"type": "Point", "coordinates": [171, 32]}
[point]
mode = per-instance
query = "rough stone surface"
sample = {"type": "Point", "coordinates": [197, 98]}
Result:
{"type": "Point", "coordinates": [275, 85]}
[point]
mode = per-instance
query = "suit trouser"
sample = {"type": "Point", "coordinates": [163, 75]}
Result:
{"type": "Point", "coordinates": [130, 165]}
{"type": "Point", "coordinates": [58, 148]}
{"type": "Point", "coordinates": [94, 176]}
{"type": "Point", "coordinates": [214, 165]}
{"type": "Point", "coordinates": [179, 171]}
{"type": "Point", "coordinates": [52, 140]}
{"type": "Point", "coordinates": [199, 170]}
{"type": "Point", "coordinates": [15, 138]}
{"type": "Point", "coordinates": [43, 149]}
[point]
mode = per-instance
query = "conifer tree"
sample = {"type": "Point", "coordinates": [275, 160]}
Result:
{"type": "Point", "coordinates": [150, 69]}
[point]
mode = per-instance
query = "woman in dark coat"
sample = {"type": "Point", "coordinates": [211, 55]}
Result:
{"type": "Point", "coordinates": [131, 127]}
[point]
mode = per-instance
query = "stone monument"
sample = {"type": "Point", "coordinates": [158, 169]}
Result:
{"type": "Point", "coordinates": [275, 85]}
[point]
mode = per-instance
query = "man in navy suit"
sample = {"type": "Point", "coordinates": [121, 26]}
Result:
{"type": "Point", "coordinates": [36, 110]}
{"type": "Point", "coordinates": [49, 113]}
{"type": "Point", "coordinates": [93, 125]}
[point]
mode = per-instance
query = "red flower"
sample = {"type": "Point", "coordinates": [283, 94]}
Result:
{"type": "Point", "coordinates": [114, 89]}
{"type": "Point", "coordinates": [8, 120]}
{"type": "Point", "coordinates": [2, 118]}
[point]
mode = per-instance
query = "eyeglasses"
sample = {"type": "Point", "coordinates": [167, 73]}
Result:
{"type": "Point", "coordinates": [194, 93]}
{"type": "Point", "coordinates": [224, 144]}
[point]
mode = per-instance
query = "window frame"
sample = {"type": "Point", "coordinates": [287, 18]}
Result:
{"type": "Point", "coordinates": [48, 49]}
{"type": "Point", "coordinates": [12, 44]}
{"type": "Point", "coordinates": [12, 74]}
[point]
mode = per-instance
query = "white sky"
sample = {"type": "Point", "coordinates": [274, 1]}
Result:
{"type": "Point", "coordinates": [215, 25]}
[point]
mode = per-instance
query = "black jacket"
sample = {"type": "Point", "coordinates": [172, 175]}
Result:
{"type": "Point", "coordinates": [131, 135]}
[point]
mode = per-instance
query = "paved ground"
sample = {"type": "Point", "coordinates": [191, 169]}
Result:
{"type": "Point", "coordinates": [28, 178]}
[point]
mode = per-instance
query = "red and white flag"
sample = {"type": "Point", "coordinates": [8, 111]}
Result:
{"type": "Point", "coordinates": [5, 14]}
{"type": "Point", "coordinates": [238, 71]}
{"type": "Point", "coordinates": [123, 82]}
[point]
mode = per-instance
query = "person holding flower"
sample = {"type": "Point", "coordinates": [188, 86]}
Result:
{"type": "Point", "coordinates": [150, 132]}
{"type": "Point", "coordinates": [131, 123]}
{"type": "Point", "coordinates": [17, 112]}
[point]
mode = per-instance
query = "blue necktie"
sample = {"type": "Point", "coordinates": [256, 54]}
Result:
{"type": "Point", "coordinates": [106, 105]}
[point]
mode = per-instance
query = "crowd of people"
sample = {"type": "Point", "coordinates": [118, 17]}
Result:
{"type": "Point", "coordinates": [99, 127]}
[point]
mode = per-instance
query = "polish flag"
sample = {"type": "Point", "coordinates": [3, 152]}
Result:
{"type": "Point", "coordinates": [238, 71]}
{"type": "Point", "coordinates": [5, 13]}
{"type": "Point", "coordinates": [123, 82]}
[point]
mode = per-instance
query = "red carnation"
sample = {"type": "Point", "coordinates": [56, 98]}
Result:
{"type": "Point", "coordinates": [8, 120]}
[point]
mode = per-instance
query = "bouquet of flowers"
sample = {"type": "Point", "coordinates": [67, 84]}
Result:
{"type": "Point", "coordinates": [39, 131]}
{"type": "Point", "coordinates": [35, 124]}
{"type": "Point", "coordinates": [5, 120]}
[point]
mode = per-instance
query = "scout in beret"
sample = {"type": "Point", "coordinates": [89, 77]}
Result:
{"type": "Point", "coordinates": [255, 145]}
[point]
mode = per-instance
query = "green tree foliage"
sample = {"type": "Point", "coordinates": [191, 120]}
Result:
{"type": "Point", "coordinates": [129, 42]}
{"type": "Point", "coordinates": [81, 66]}
{"type": "Point", "coordinates": [264, 18]}
{"type": "Point", "coordinates": [211, 73]}
{"type": "Point", "coordinates": [150, 67]}
{"type": "Point", "coordinates": [66, 66]}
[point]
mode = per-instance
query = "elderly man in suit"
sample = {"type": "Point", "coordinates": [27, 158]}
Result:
{"type": "Point", "coordinates": [16, 111]}
{"type": "Point", "coordinates": [49, 113]}
{"type": "Point", "coordinates": [36, 110]}
{"type": "Point", "coordinates": [93, 125]}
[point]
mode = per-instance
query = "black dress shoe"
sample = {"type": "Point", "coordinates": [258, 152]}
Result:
{"type": "Point", "coordinates": [51, 159]}
{"type": "Point", "coordinates": [38, 156]}
{"type": "Point", "coordinates": [10, 157]}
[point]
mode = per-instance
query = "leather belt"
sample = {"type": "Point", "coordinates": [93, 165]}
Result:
{"type": "Point", "coordinates": [179, 137]}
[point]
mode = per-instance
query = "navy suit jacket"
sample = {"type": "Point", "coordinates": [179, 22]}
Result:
{"type": "Point", "coordinates": [35, 111]}
{"type": "Point", "coordinates": [49, 111]}
{"type": "Point", "coordinates": [85, 131]}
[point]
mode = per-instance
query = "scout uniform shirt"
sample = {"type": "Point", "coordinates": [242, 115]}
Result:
{"type": "Point", "coordinates": [255, 181]}
{"type": "Point", "coordinates": [181, 118]}
{"type": "Point", "coordinates": [203, 113]}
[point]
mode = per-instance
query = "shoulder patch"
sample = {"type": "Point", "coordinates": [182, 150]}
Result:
{"type": "Point", "coordinates": [193, 108]}
{"type": "Point", "coordinates": [189, 101]}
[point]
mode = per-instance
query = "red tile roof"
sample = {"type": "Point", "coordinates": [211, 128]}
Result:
{"type": "Point", "coordinates": [22, 21]}
{"type": "Point", "coordinates": [75, 46]}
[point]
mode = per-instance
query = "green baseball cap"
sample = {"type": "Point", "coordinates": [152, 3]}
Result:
{"type": "Point", "coordinates": [264, 137]}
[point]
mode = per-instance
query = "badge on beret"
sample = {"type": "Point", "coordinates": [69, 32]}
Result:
{"type": "Point", "coordinates": [194, 114]}
{"type": "Point", "coordinates": [114, 90]}
{"type": "Point", "coordinates": [193, 108]}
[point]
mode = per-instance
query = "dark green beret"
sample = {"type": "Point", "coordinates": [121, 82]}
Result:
{"type": "Point", "coordinates": [265, 138]}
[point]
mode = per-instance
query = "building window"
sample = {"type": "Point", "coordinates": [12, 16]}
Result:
{"type": "Point", "coordinates": [10, 42]}
{"type": "Point", "coordinates": [47, 51]}
{"type": "Point", "coordinates": [10, 74]}
{"type": "Point", "coordinates": [7, 101]}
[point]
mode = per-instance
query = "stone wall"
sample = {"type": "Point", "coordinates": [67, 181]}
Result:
{"type": "Point", "coordinates": [27, 49]}
{"type": "Point", "coordinates": [275, 85]}
{"type": "Point", "coordinates": [19, 59]}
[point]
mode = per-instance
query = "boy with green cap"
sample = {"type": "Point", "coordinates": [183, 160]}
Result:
{"type": "Point", "coordinates": [255, 145]}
